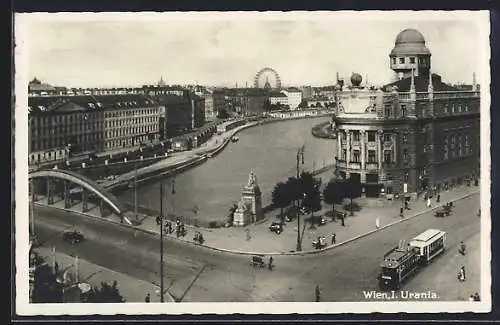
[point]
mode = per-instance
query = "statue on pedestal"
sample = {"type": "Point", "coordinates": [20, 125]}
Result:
{"type": "Point", "coordinates": [250, 206]}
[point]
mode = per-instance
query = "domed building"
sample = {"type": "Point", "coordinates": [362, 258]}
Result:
{"type": "Point", "coordinates": [412, 135]}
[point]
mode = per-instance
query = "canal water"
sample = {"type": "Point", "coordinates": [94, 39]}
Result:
{"type": "Point", "coordinates": [209, 190]}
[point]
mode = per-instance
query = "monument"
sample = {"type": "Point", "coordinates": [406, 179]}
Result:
{"type": "Point", "coordinates": [250, 205]}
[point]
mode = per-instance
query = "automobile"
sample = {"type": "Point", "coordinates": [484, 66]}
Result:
{"type": "Point", "coordinates": [276, 227]}
{"type": "Point", "coordinates": [73, 237]}
{"type": "Point", "coordinates": [257, 261]}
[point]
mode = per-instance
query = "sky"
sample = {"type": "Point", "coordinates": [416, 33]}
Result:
{"type": "Point", "coordinates": [111, 50]}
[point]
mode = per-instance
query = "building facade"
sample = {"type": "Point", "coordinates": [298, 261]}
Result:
{"type": "Point", "coordinates": [411, 135]}
{"type": "Point", "coordinates": [129, 120]}
{"type": "Point", "coordinates": [294, 97]}
{"type": "Point", "coordinates": [60, 128]}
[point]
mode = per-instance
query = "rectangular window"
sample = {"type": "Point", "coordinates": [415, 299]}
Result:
{"type": "Point", "coordinates": [355, 135]}
{"type": "Point", "coordinates": [405, 155]}
{"type": "Point", "coordinates": [356, 156]}
{"type": "Point", "coordinates": [406, 177]}
{"type": "Point", "coordinates": [387, 156]}
{"type": "Point", "coordinates": [403, 110]}
{"type": "Point", "coordinates": [401, 60]}
{"type": "Point", "coordinates": [371, 156]}
{"type": "Point", "coordinates": [412, 60]}
{"type": "Point", "coordinates": [371, 136]}
{"type": "Point", "coordinates": [459, 142]}
{"type": "Point", "coordinates": [387, 137]}
{"type": "Point", "coordinates": [405, 138]}
{"type": "Point", "coordinates": [344, 154]}
{"type": "Point", "coordinates": [445, 147]}
{"type": "Point", "coordinates": [393, 60]}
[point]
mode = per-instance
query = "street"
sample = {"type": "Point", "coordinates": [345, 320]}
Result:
{"type": "Point", "coordinates": [342, 273]}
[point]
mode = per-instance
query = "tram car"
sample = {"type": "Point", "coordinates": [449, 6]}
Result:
{"type": "Point", "coordinates": [405, 260]}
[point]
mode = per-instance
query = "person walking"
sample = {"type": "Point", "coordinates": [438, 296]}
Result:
{"type": "Point", "coordinates": [318, 294]}
{"type": "Point", "coordinates": [377, 222]}
{"type": "Point", "coordinates": [270, 266]}
{"type": "Point", "coordinates": [428, 202]}
{"type": "Point", "coordinates": [334, 238]}
{"type": "Point", "coordinates": [148, 298]}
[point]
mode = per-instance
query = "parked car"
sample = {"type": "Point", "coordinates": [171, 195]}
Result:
{"type": "Point", "coordinates": [276, 227]}
{"type": "Point", "coordinates": [73, 237]}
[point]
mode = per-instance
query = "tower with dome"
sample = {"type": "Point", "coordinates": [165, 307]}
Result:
{"type": "Point", "coordinates": [412, 135]}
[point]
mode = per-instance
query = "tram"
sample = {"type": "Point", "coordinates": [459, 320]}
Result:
{"type": "Point", "coordinates": [405, 260]}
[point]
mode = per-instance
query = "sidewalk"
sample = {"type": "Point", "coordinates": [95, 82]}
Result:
{"type": "Point", "coordinates": [132, 289]}
{"type": "Point", "coordinates": [263, 241]}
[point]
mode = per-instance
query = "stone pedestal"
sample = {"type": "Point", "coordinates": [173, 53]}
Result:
{"type": "Point", "coordinates": [250, 206]}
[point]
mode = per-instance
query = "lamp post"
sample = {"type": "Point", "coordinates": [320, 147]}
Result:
{"type": "Point", "coordinates": [300, 154]}
{"type": "Point", "coordinates": [162, 285]}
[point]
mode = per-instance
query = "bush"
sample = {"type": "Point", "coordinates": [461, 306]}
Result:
{"type": "Point", "coordinates": [213, 224]}
{"type": "Point", "coordinates": [352, 207]}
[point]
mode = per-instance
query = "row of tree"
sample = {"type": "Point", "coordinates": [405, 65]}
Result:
{"type": "Point", "coordinates": [48, 285]}
{"type": "Point", "coordinates": [306, 193]}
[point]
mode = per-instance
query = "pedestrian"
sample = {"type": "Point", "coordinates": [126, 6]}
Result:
{"type": "Point", "coordinates": [377, 222]}
{"type": "Point", "coordinates": [270, 263]}
{"type": "Point", "coordinates": [318, 293]}
{"type": "Point", "coordinates": [476, 297]}
{"type": "Point", "coordinates": [148, 298]}
{"type": "Point", "coordinates": [401, 210]}
{"type": "Point", "coordinates": [158, 220]}
{"type": "Point", "coordinates": [343, 219]}
{"type": "Point", "coordinates": [428, 202]}
{"type": "Point", "coordinates": [248, 234]}
{"type": "Point", "coordinates": [438, 198]}
{"type": "Point", "coordinates": [334, 238]}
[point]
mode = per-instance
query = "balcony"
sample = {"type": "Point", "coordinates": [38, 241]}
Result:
{"type": "Point", "coordinates": [341, 163]}
{"type": "Point", "coordinates": [354, 165]}
{"type": "Point", "coordinates": [356, 144]}
{"type": "Point", "coordinates": [371, 165]}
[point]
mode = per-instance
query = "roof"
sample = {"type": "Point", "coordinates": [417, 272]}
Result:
{"type": "Point", "coordinates": [292, 90]}
{"type": "Point", "coordinates": [410, 42]}
{"type": "Point", "coordinates": [170, 99]}
{"type": "Point", "coordinates": [276, 94]}
{"type": "Point", "coordinates": [427, 235]}
{"type": "Point", "coordinates": [421, 84]}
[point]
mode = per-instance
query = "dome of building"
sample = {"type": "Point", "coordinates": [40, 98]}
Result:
{"type": "Point", "coordinates": [410, 42]}
{"type": "Point", "coordinates": [356, 79]}
{"type": "Point", "coordinates": [410, 36]}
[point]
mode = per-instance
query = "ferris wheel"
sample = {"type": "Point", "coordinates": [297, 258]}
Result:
{"type": "Point", "coordinates": [267, 78]}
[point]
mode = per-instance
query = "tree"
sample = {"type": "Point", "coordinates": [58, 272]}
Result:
{"type": "Point", "coordinates": [303, 104]}
{"type": "Point", "coordinates": [312, 202]}
{"type": "Point", "coordinates": [308, 183]}
{"type": "Point", "coordinates": [281, 197]}
{"type": "Point", "coordinates": [46, 289]}
{"type": "Point", "coordinates": [230, 216]}
{"type": "Point", "coordinates": [352, 190]}
{"type": "Point", "coordinates": [105, 294]}
{"type": "Point", "coordinates": [333, 194]}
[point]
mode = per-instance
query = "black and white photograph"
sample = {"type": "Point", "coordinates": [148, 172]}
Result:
{"type": "Point", "coordinates": [252, 162]}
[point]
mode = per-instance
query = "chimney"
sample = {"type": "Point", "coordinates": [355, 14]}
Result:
{"type": "Point", "coordinates": [474, 84]}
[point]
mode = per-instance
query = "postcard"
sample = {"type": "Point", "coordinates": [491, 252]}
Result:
{"type": "Point", "coordinates": [252, 162]}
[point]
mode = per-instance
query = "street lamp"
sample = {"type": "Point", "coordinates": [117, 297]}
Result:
{"type": "Point", "coordinates": [162, 286]}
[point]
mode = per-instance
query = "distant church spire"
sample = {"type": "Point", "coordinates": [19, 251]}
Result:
{"type": "Point", "coordinates": [161, 83]}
